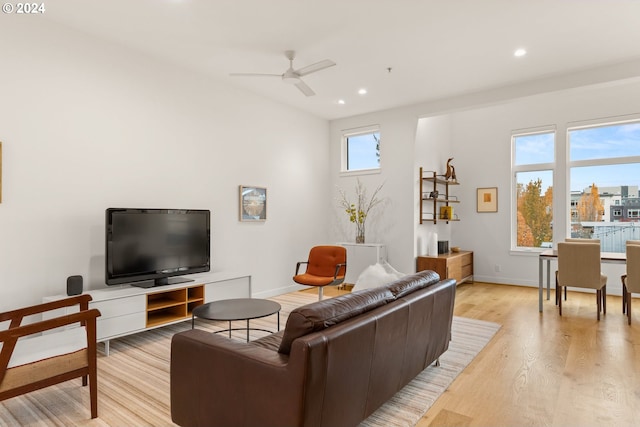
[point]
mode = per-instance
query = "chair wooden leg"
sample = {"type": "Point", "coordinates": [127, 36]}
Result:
{"type": "Point", "coordinates": [559, 293]}
{"type": "Point", "coordinates": [604, 299]}
{"type": "Point", "coordinates": [628, 295]}
{"type": "Point", "coordinates": [599, 301]}
{"type": "Point", "coordinates": [624, 294]}
{"type": "Point", "coordinates": [93, 395]}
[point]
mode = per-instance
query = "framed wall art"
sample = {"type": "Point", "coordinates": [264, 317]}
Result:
{"type": "Point", "coordinates": [253, 203]}
{"type": "Point", "coordinates": [487, 199]}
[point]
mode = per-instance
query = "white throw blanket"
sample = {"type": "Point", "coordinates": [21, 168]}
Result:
{"type": "Point", "coordinates": [377, 275]}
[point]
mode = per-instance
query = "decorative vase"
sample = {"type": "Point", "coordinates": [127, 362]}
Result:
{"type": "Point", "coordinates": [360, 236]}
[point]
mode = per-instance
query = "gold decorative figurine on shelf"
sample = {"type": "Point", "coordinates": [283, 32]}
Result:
{"type": "Point", "coordinates": [450, 174]}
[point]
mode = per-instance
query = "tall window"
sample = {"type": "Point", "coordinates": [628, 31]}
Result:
{"type": "Point", "coordinates": [533, 166]}
{"type": "Point", "coordinates": [361, 150]}
{"type": "Point", "coordinates": [604, 163]}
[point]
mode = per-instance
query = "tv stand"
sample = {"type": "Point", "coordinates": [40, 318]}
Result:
{"type": "Point", "coordinates": [128, 309]}
{"type": "Point", "coordinates": [161, 282]}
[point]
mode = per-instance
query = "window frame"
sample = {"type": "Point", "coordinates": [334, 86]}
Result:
{"type": "Point", "coordinates": [344, 150]}
{"type": "Point", "coordinates": [532, 167]}
{"type": "Point", "coordinates": [604, 161]}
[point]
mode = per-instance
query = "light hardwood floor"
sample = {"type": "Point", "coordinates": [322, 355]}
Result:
{"type": "Point", "coordinates": [542, 369]}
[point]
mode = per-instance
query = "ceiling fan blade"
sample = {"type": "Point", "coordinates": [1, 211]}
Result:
{"type": "Point", "coordinates": [304, 88]}
{"type": "Point", "coordinates": [254, 75]}
{"type": "Point", "coordinates": [315, 67]}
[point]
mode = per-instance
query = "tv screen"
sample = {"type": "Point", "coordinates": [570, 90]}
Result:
{"type": "Point", "coordinates": [147, 247]}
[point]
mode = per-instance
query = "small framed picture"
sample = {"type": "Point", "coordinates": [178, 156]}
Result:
{"type": "Point", "coordinates": [253, 203]}
{"type": "Point", "coordinates": [487, 199]}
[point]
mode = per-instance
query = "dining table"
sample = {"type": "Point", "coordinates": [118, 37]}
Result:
{"type": "Point", "coordinates": [549, 255]}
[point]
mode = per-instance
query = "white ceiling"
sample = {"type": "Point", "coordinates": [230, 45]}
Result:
{"type": "Point", "coordinates": [436, 49]}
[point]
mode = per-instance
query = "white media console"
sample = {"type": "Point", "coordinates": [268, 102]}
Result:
{"type": "Point", "coordinates": [128, 309]}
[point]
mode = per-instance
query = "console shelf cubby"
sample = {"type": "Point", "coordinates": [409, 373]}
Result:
{"type": "Point", "coordinates": [173, 305]}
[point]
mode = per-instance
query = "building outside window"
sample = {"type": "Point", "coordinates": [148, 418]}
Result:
{"type": "Point", "coordinates": [604, 171]}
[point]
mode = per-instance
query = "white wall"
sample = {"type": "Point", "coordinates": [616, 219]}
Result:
{"type": "Point", "coordinates": [481, 141]}
{"type": "Point", "coordinates": [393, 223]}
{"type": "Point", "coordinates": [87, 125]}
{"type": "Point", "coordinates": [432, 149]}
{"type": "Point", "coordinates": [476, 131]}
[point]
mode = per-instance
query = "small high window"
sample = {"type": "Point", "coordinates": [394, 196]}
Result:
{"type": "Point", "coordinates": [361, 150]}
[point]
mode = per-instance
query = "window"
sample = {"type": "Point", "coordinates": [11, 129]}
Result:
{"type": "Point", "coordinates": [604, 174]}
{"type": "Point", "coordinates": [533, 167]}
{"type": "Point", "coordinates": [361, 150]}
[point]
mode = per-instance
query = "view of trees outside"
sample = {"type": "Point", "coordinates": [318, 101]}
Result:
{"type": "Point", "coordinates": [604, 170]}
{"type": "Point", "coordinates": [534, 189]}
{"type": "Point", "coordinates": [535, 214]}
{"type": "Point", "coordinates": [590, 207]}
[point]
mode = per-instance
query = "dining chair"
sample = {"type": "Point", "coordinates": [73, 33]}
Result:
{"type": "Point", "coordinates": [326, 266]}
{"type": "Point", "coordinates": [579, 266]}
{"type": "Point", "coordinates": [631, 280]}
{"type": "Point", "coordinates": [573, 240]}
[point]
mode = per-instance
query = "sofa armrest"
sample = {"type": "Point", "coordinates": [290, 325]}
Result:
{"type": "Point", "coordinates": [216, 381]}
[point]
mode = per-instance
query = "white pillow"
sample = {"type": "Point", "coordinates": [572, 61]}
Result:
{"type": "Point", "coordinates": [377, 275]}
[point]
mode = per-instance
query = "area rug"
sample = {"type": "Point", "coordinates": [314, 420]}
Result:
{"type": "Point", "coordinates": [133, 382]}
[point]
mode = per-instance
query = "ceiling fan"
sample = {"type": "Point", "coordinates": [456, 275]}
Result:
{"type": "Point", "coordinates": [292, 76]}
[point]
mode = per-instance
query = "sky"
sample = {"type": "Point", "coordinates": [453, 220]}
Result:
{"type": "Point", "coordinates": [606, 142]}
{"type": "Point", "coordinates": [362, 152]}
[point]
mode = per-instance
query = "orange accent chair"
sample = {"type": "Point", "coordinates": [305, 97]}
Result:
{"type": "Point", "coordinates": [326, 266]}
{"type": "Point", "coordinates": [50, 351]}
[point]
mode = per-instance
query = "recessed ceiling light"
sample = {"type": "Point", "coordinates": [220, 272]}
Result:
{"type": "Point", "coordinates": [519, 52]}
{"type": "Point", "coordinates": [341, 101]}
{"type": "Point", "coordinates": [362, 91]}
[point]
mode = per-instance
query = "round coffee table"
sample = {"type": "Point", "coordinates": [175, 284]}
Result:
{"type": "Point", "coordinates": [237, 309]}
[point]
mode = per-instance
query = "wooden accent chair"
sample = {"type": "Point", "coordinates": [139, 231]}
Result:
{"type": "Point", "coordinates": [579, 266]}
{"type": "Point", "coordinates": [326, 266]}
{"type": "Point", "coordinates": [51, 351]}
{"type": "Point", "coordinates": [631, 280]}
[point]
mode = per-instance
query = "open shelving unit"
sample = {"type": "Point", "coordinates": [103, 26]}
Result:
{"type": "Point", "coordinates": [173, 305]}
{"type": "Point", "coordinates": [430, 183]}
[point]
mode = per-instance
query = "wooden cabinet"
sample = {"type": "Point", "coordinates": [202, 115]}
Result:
{"type": "Point", "coordinates": [454, 265]}
{"type": "Point", "coordinates": [435, 206]}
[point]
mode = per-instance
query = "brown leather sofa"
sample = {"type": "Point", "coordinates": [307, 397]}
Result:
{"type": "Point", "coordinates": [334, 364]}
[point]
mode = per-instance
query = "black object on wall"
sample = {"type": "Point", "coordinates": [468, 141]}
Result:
{"type": "Point", "coordinates": [74, 285]}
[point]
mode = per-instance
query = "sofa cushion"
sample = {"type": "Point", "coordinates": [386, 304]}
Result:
{"type": "Point", "coordinates": [270, 342]}
{"type": "Point", "coordinates": [413, 282]}
{"type": "Point", "coordinates": [322, 314]}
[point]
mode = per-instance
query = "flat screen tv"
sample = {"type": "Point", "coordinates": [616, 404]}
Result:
{"type": "Point", "coordinates": [150, 247]}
